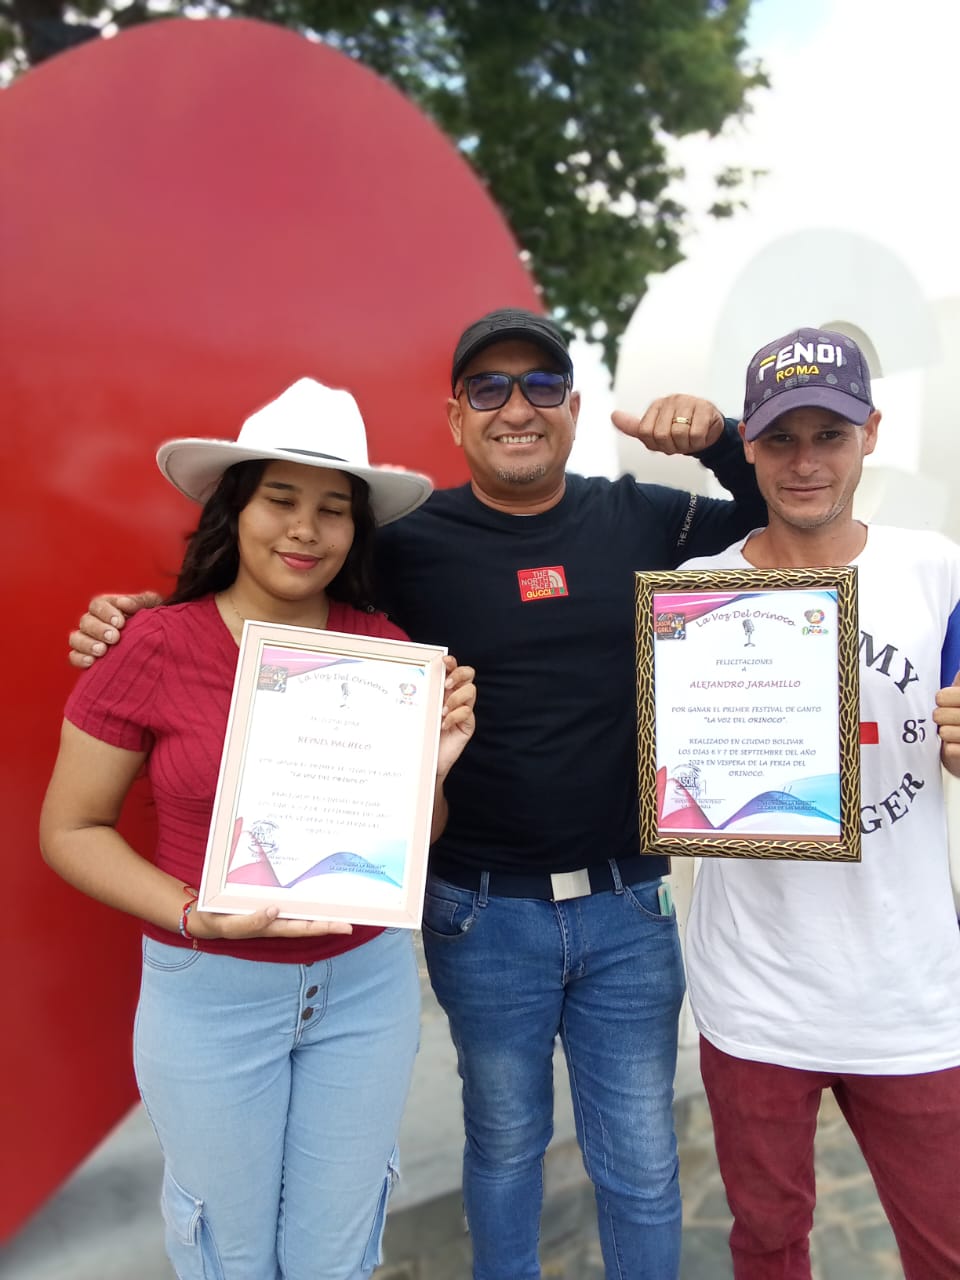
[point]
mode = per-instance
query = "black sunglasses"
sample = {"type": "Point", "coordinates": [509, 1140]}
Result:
{"type": "Point", "coordinates": [543, 388]}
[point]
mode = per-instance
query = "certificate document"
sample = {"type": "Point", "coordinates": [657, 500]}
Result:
{"type": "Point", "coordinates": [325, 797]}
{"type": "Point", "coordinates": [748, 709]}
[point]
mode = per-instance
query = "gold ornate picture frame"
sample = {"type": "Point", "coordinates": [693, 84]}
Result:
{"type": "Point", "coordinates": [748, 713]}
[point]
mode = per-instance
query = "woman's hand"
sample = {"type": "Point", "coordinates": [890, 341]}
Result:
{"type": "Point", "coordinates": [458, 723]}
{"type": "Point", "coordinates": [456, 730]}
{"type": "Point", "coordinates": [210, 925]}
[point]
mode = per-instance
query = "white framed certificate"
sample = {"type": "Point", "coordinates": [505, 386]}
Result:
{"type": "Point", "coordinates": [748, 703]}
{"type": "Point", "coordinates": [325, 796]}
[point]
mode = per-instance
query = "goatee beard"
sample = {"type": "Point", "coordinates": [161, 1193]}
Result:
{"type": "Point", "coordinates": [521, 475]}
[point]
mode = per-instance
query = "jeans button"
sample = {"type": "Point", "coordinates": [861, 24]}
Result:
{"type": "Point", "coordinates": [307, 1013]}
{"type": "Point", "coordinates": [311, 992]}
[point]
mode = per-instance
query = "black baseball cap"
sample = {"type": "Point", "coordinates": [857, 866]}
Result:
{"type": "Point", "coordinates": [501, 326]}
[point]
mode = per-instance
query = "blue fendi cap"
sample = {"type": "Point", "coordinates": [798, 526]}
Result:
{"type": "Point", "coordinates": [806, 369]}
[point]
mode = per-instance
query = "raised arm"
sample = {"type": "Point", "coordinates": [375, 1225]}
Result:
{"type": "Point", "coordinates": [686, 425]}
{"type": "Point", "coordinates": [696, 428]}
{"type": "Point", "coordinates": [673, 424]}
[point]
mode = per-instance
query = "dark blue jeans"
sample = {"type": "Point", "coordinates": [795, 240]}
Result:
{"type": "Point", "coordinates": [604, 973]}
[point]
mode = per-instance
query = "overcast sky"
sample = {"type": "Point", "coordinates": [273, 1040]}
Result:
{"type": "Point", "coordinates": [857, 131]}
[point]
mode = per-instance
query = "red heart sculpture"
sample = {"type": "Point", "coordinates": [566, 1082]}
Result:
{"type": "Point", "coordinates": [195, 214]}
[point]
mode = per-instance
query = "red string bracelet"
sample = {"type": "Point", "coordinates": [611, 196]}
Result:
{"type": "Point", "coordinates": [187, 908]}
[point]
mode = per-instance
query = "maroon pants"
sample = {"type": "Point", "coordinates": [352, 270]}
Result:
{"type": "Point", "coordinates": [765, 1119]}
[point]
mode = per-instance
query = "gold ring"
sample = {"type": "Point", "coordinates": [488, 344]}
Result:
{"type": "Point", "coordinates": [684, 421]}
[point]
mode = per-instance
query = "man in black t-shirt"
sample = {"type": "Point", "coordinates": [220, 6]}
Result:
{"type": "Point", "coordinates": [541, 916]}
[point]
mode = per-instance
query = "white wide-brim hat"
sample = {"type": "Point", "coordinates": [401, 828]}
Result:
{"type": "Point", "coordinates": [310, 424]}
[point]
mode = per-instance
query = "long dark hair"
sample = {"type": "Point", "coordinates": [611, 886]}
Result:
{"type": "Point", "coordinates": [212, 558]}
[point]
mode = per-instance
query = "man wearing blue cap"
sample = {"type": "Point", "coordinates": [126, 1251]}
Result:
{"type": "Point", "coordinates": [813, 976]}
{"type": "Point", "coordinates": [541, 917]}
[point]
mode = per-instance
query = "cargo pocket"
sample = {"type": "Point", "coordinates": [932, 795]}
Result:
{"type": "Point", "coordinates": [373, 1253]}
{"type": "Point", "coordinates": [190, 1244]}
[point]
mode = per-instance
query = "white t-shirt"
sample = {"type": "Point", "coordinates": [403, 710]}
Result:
{"type": "Point", "coordinates": [853, 967]}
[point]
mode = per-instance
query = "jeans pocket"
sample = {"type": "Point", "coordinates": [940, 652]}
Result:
{"type": "Point", "coordinates": [644, 898]}
{"type": "Point", "coordinates": [167, 959]}
{"type": "Point", "coordinates": [190, 1244]}
{"type": "Point", "coordinates": [449, 917]}
{"type": "Point", "coordinates": [373, 1253]}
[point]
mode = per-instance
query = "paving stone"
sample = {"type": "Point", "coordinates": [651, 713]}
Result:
{"type": "Point", "coordinates": [840, 1161]}
{"type": "Point", "coordinates": [857, 1199]}
{"type": "Point", "coordinates": [705, 1254]}
{"type": "Point", "coordinates": [429, 1229]}
{"type": "Point", "coordinates": [697, 1166]}
{"type": "Point", "coordinates": [877, 1238]}
{"type": "Point", "coordinates": [563, 1167]}
{"type": "Point", "coordinates": [713, 1207]}
{"type": "Point", "coordinates": [693, 1115]}
{"type": "Point", "coordinates": [838, 1257]}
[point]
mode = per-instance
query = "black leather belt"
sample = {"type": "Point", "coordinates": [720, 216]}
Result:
{"type": "Point", "coordinates": [551, 888]}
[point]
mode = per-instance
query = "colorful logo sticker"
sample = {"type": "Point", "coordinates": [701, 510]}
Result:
{"type": "Point", "coordinates": [814, 618]}
{"type": "Point", "coordinates": [670, 626]}
{"type": "Point", "coordinates": [539, 584]}
{"type": "Point", "coordinates": [273, 678]}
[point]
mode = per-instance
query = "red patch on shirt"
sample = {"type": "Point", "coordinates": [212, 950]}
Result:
{"type": "Point", "coordinates": [538, 584]}
{"type": "Point", "coordinates": [869, 733]}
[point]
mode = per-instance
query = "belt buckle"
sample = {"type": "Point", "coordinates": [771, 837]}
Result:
{"type": "Point", "coordinates": [570, 884]}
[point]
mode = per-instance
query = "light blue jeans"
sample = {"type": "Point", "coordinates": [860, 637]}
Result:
{"type": "Point", "coordinates": [276, 1092]}
{"type": "Point", "coordinates": [604, 973]}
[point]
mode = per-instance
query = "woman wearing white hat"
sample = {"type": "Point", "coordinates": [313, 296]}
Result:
{"type": "Point", "coordinates": [273, 1056]}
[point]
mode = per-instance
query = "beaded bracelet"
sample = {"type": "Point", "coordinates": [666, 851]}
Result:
{"type": "Point", "coordinates": [187, 908]}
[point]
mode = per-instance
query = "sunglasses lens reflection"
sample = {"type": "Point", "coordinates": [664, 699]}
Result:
{"type": "Point", "coordinates": [543, 388]}
{"type": "Point", "coordinates": [489, 390]}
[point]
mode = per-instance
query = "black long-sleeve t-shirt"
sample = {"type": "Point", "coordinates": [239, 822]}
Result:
{"type": "Point", "coordinates": [543, 607]}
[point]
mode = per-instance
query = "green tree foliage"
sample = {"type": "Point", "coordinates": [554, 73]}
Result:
{"type": "Point", "coordinates": [565, 108]}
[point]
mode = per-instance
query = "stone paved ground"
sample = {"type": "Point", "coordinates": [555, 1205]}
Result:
{"type": "Point", "coordinates": [105, 1224]}
{"type": "Point", "coordinates": [851, 1238]}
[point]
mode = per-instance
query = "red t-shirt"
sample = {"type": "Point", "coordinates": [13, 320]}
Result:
{"type": "Point", "coordinates": [166, 689]}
